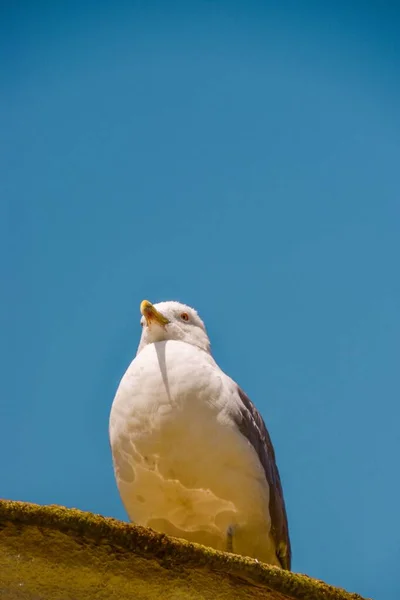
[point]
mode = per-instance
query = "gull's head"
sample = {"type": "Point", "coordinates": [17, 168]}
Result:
{"type": "Point", "coordinates": [172, 321]}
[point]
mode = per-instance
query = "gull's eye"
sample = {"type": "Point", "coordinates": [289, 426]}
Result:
{"type": "Point", "coordinates": [141, 323]}
{"type": "Point", "coordinates": [184, 316]}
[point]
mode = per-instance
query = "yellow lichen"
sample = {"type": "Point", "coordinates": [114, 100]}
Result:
{"type": "Point", "coordinates": [54, 553]}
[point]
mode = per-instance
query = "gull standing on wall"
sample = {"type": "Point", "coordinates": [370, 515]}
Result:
{"type": "Point", "coordinates": [191, 453]}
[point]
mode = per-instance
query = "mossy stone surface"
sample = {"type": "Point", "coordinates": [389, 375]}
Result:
{"type": "Point", "coordinates": [55, 553]}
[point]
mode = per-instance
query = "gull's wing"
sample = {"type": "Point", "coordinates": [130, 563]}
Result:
{"type": "Point", "coordinates": [252, 426]}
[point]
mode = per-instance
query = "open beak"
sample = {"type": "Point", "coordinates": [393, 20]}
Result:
{"type": "Point", "coordinates": [151, 314]}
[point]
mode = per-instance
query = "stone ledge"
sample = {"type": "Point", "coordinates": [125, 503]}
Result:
{"type": "Point", "coordinates": [55, 553]}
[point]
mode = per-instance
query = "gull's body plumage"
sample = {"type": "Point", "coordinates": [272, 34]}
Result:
{"type": "Point", "coordinates": [191, 454]}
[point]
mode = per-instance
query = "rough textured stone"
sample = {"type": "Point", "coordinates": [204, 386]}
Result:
{"type": "Point", "coordinates": [54, 553]}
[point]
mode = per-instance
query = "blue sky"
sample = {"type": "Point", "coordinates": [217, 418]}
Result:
{"type": "Point", "coordinates": [240, 157]}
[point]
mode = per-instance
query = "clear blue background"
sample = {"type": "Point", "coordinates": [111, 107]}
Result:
{"type": "Point", "coordinates": [241, 157]}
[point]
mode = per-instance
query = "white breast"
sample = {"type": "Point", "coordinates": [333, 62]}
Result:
{"type": "Point", "coordinates": [181, 464]}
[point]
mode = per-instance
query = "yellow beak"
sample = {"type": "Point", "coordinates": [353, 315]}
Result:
{"type": "Point", "coordinates": [151, 314]}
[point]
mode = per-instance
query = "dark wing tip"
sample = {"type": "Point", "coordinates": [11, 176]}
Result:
{"type": "Point", "coordinates": [253, 428]}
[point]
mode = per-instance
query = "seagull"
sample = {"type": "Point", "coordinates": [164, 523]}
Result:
{"type": "Point", "coordinates": [191, 453]}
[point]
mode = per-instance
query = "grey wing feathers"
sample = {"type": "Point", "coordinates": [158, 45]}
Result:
{"type": "Point", "coordinates": [253, 428]}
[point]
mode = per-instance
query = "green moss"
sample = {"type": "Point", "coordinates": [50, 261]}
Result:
{"type": "Point", "coordinates": [54, 553]}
